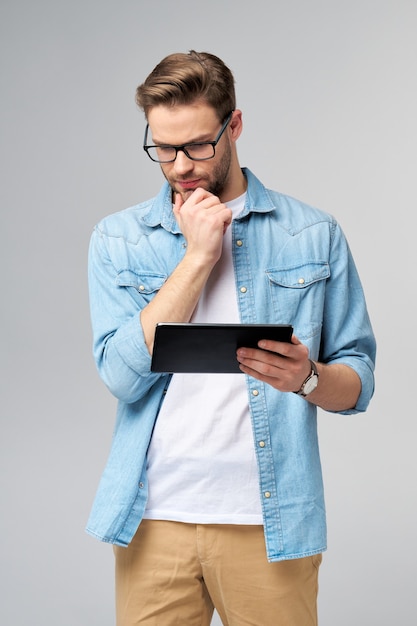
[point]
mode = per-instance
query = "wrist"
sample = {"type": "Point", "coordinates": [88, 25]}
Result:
{"type": "Point", "coordinates": [310, 383]}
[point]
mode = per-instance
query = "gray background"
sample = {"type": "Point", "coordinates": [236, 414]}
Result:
{"type": "Point", "coordinates": [329, 95]}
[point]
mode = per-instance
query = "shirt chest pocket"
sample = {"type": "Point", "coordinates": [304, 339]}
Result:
{"type": "Point", "coordinates": [297, 296]}
{"type": "Point", "coordinates": [142, 285]}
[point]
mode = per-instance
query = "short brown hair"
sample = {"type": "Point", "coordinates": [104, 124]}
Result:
{"type": "Point", "coordinates": [184, 78]}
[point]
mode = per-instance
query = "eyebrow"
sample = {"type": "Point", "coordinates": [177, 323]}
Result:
{"type": "Point", "coordinates": [201, 139]}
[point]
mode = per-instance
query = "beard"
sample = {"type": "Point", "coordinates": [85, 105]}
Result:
{"type": "Point", "coordinates": [220, 176]}
{"type": "Point", "coordinates": [215, 182]}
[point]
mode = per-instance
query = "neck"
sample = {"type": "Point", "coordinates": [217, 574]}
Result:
{"type": "Point", "coordinates": [237, 185]}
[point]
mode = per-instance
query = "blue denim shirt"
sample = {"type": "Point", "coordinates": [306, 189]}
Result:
{"type": "Point", "coordinates": [292, 265]}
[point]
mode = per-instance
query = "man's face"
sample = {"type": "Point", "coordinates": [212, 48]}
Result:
{"type": "Point", "coordinates": [188, 124]}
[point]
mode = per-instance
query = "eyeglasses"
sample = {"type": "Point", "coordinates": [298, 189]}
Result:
{"type": "Point", "coordinates": [198, 151]}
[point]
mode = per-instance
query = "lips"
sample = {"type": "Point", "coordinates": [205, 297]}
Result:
{"type": "Point", "coordinates": [188, 184]}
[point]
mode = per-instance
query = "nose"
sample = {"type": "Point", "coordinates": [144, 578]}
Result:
{"type": "Point", "coordinates": [182, 163]}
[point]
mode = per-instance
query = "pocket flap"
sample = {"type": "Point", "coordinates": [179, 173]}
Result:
{"type": "Point", "coordinates": [142, 281]}
{"type": "Point", "coordinates": [300, 276]}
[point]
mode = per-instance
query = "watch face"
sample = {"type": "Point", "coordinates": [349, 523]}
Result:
{"type": "Point", "coordinates": [310, 385]}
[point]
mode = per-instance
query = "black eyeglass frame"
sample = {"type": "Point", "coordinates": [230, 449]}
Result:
{"type": "Point", "coordinates": [184, 146]}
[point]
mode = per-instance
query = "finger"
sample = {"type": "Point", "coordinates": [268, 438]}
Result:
{"type": "Point", "coordinates": [261, 359]}
{"type": "Point", "coordinates": [200, 195]}
{"type": "Point", "coordinates": [281, 348]}
{"type": "Point", "coordinates": [265, 376]}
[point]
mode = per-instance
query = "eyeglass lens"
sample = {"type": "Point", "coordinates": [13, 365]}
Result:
{"type": "Point", "coordinates": [195, 151]}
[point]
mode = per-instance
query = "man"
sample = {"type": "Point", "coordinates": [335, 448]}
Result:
{"type": "Point", "coordinates": [213, 492]}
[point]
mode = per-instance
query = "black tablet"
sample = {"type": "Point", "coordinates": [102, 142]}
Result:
{"type": "Point", "coordinates": [208, 348]}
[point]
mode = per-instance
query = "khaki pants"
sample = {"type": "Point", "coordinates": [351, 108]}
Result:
{"type": "Point", "coordinates": [175, 574]}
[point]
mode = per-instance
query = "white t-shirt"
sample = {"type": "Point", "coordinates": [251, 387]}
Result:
{"type": "Point", "coordinates": [201, 461]}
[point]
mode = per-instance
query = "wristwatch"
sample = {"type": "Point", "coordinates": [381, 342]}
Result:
{"type": "Point", "coordinates": [310, 382]}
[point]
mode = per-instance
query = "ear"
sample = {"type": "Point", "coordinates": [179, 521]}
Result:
{"type": "Point", "coordinates": [236, 124]}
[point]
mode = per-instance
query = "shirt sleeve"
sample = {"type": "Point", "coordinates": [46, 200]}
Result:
{"type": "Point", "coordinates": [347, 335]}
{"type": "Point", "coordinates": [119, 347]}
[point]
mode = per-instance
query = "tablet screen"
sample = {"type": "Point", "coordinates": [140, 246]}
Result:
{"type": "Point", "coordinates": [208, 348]}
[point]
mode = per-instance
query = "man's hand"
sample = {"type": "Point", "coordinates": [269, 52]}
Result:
{"type": "Point", "coordinates": [284, 366]}
{"type": "Point", "coordinates": [203, 220]}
